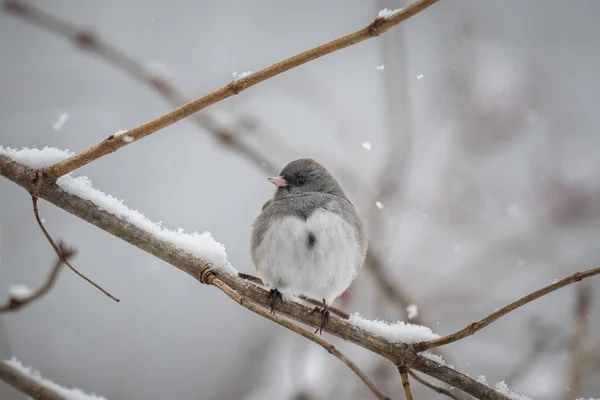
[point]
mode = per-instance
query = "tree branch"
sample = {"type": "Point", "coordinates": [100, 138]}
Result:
{"type": "Point", "coordinates": [61, 255]}
{"type": "Point", "coordinates": [405, 382]}
{"type": "Point", "coordinates": [476, 326]}
{"type": "Point", "coordinates": [113, 143]}
{"type": "Point", "coordinates": [15, 303]}
{"type": "Point", "coordinates": [88, 40]}
{"type": "Point", "coordinates": [34, 183]}
{"type": "Point", "coordinates": [26, 384]}
{"type": "Point", "coordinates": [334, 310]}
{"type": "Point", "coordinates": [580, 326]}
{"type": "Point", "coordinates": [303, 332]}
{"type": "Point", "coordinates": [430, 385]}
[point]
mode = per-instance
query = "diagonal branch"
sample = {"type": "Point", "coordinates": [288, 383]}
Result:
{"type": "Point", "coordinates": [113, 143]}
{"type": "Point", "coordinates": [91, 42]}
{"type": "Point", "coordinates": [405, 382]}
{"type": "Point", "coordinates": [476, 326]}
{"type": "Point", "coordinates": [431, 386]}
{"type": "Point", "coordinates": [303, 332]}
{"type": "Point", "coordinates": [15, 303]}
{"type": "Point", "coordinates": [61, 255]}
{"type": "Point", "coordinates": [28, 178]}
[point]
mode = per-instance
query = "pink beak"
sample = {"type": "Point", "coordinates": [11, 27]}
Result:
{"type": "Point", "coordinates": [278, 181]}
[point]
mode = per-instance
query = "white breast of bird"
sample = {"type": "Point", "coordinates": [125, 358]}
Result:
{"type": "Point", "coordinates": [318, 257]}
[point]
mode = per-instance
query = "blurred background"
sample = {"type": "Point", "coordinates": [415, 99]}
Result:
{"type": "Point", "coordinates": [467, 137]}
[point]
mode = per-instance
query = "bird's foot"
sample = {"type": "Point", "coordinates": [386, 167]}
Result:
{"type": "Point", "coordinates": [274, 294]}
{"type": "Point", "coordinates": [324, 318]}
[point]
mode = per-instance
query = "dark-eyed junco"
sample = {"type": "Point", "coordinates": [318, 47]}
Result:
{"type": "Point", "coordinates": [308, 239]}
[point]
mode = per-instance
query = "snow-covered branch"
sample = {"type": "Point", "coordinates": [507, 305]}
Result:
{"type": "Point", "coordinates": [29, 381]}
{"type": "Point", "coordinates": [204, 259]}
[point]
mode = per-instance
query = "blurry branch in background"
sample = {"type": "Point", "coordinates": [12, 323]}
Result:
{"type": "Point", "coordinates": [405, 382]}
{"type": "Point", "coordinates": [61, 255]}
{"type": "Point", "coordinates": [295, 328]}
{"type": "Point", "coordinates": [580, 327]}
{"type": "Point", "coordinates": [431, 386]}
{"type": "Point", "coordinates": [476, 326]}
{"type": "Point", "coordinates": [113, 143]}
{"type": "Point", "coordinates": [88, 40]}
{"type": "Point", "coordinates": [397, 353]}
{"type": "Point", "coordinates": [26, 384]}
{"type": "Point", "coordinates": [16, 302]}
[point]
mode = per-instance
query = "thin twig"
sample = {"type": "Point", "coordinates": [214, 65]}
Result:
{"type": "Point", "coordinates": [90, 41]}
{"type": "Point", "coordinates": [476, 326]}
{"type": "Point", "coordinates": [580, 327]}
{"type": "Point", "coordinates": [26, 384]}
{"type": "Point", "coordinates": [60, 253]}
{"type": "Point", "coordinates": [258, 281]}
{"type": "Point", "coordinates": [113, 143]}
{"type": "Point", "coordinates": [430, 385]}
{"type": "Point", "coordinates": [405, 382]}
{"type": "Point", "coordinates": [295, 328]}
{"type": "Point", "coordinates": [15, 303]}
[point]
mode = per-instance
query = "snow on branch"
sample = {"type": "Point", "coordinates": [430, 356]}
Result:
{"type": "Point", "coordinates": [191, 263]}
{"type": "Point", "coordinates": [31, 382]}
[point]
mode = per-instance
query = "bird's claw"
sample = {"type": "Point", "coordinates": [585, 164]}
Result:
{"type": "Point", "coordinates": [324, 318]}
{"type": "Point", "coordinates": [274, 294]}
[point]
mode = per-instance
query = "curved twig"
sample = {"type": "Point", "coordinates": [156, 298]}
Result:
{"type": "Point", "coordinates": [61, 255]}
{"type": "Point", "coordinates": [15, 303]}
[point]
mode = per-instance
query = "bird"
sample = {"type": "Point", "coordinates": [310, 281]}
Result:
{"type": "Point", "coordinates": [308, 239]}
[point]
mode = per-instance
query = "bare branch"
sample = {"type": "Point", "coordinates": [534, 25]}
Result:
{"type": "Point", "coordinates": [113, 143]}
{"type": "Point", "coordinates": [430, 385]}
{"type": "Point", "coordinates": [90, 41]}
{"type": "Point", "coordinates": [61, 255]}
{"type": "Point", "coordinates": [580, 327]}
{"type": "Point", "coordinates": [28, 178]}
{"type": "Point", "coordinates": [15, 303]}
{"type": "Point", "coordinates": [405, 382]}
{"type": "Point", "coordinates": [476, 326]}
{"type": "Point", "coordinates": [26, 384]}
{"type": "Point", "coordinates": [295, 328]}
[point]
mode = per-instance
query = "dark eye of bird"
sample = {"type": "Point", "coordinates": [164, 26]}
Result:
{"type": "Point", "coordinates": [301, 181]}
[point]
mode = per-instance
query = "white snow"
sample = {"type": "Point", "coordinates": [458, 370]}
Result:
{"type": "Point", "coordinates": [128, 138]}
{"type": "Point", "coordinates": [36, 158]}
{"type": "Point", "coordinates": [397, 332]}
{"type": "Point", "coordinates": [385, 13]}
{"type": "Point", "coordinates": [412, 310]}
{"type": "Point", "coordinates": [240, 75]}
{"type": "Point", "coordinates": [379, 205]}
{"type": "Point", "coordinates": [66, 393]}
{"type": "Point", "coordinates": [380, 67]}
{"type": "Point", "coordinates": [503, 388]}
{"type": "Point", "coordinates": [420, 76]}
{"type": "Point", "coordinates": [19, 291]}
{"type": "Point", "coordinates": [481, 379]}
{"type": "Point", "coordinates": [60, 122]}
{"type": "Point", "coordinates": [367, 146]}
{"type": "Point", "coordinates": [201, 245]}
